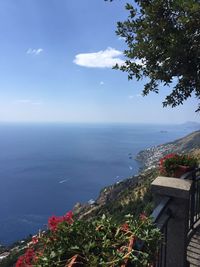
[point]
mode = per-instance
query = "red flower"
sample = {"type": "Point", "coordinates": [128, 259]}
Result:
{"type": "Point", "coordinates": [68, 217]}
{"type": "Point", "coordinates": [26, 259]}
{"type": "Point", "coordinates": [20, 262]}
{"type": "Point", "coordinates": [34, 239]}
{"type": "Point", "coordinates": [53, 222]}
{"type": "Point", "coordinates": [29, 255]}
{"type": "Point", "coordinates": [169, 156]}
{"type": "Point", "coordinates": [125, 227]}
{"type": "Point", "coordinates": [143, 217]}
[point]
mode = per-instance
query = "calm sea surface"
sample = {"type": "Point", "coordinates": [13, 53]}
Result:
{"type": "Point", "coordinates": [46, 169]}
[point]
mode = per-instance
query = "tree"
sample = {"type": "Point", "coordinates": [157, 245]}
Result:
{"type": "Point", "coordinates": [163, 44]}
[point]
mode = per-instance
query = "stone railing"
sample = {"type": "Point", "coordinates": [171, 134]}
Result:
{"type": "Point", "coordinates": [177, 211]}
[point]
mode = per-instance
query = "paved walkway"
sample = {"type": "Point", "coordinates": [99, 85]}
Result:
{"type": "Point", "coordinates": [193, 251]}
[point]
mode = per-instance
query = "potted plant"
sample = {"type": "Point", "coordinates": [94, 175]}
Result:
{"type": "Point", "coordinates": [175, 165]}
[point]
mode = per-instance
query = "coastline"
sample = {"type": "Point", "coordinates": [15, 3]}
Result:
{"type": "Point", "coordinates": [125, 195]}
{"type": "Point", "coordinates": [150, 157]}
{"type": "Point", "coordinates": [149, 160]}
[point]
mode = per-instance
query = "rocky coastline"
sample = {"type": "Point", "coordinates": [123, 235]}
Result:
{"type": "Point", "coordinates": [124, 193]}
{"type": "Point", "coordinates": [149, 160]}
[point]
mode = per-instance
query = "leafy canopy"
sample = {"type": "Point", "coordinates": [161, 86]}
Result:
{"type": "Point", "coordinates": [163, 44]}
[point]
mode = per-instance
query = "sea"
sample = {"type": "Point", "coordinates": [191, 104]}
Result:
{"type": "Point", "coordinates": [45, 169]}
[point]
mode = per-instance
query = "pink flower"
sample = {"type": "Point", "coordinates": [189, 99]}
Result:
{"type": "Point", "coordinates": [143, 217]}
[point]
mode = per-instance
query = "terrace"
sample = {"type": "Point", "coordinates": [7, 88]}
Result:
{"type": "Point", "coordinates": [177, 214]}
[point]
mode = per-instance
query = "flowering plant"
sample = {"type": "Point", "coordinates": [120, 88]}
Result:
{"type": "Point", "coordinates": [99, 242]}
{"type": "Point", "coordinates": [171, 162]}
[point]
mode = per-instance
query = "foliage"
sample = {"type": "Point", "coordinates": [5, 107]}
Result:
{"type": "Point", "coordinates": [129, 198]}
{"type": "Point", "coordinates": [11, 260]}
{"type": "Point", "coordinates": [127, 201]}
{"type": "Point", "coordinates": [15, 250]}
{"type": "Point", "coordinates": [163, 40]}
{"type": "Point", "coordinates": [134, 204]}
{"type": "Point", "coordinates": [170, 163]}
{"type": "Point", "coordinates": [100, 242]}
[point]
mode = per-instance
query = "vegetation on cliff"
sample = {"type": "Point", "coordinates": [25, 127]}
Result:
{"type": "Point", "coordinates": [130, 196]}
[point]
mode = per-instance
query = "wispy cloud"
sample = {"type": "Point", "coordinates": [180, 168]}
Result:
{"type": "Point", "coordinates": [102, 59]}
{"type": "Point", "coordinates": [34, 51]}
{"type": "Point", "coordinates": [36, 103]}
{"type": "Point", "coordinates": [28, 101]}
{"type": "Point", "coordinates": [138, 95]}
{"type": "Point", "coordinates": [23, 101]}
{"type": "Point", "coordinates": [101, 83]}
{"type": "Point", "coordinates": [134, 96]}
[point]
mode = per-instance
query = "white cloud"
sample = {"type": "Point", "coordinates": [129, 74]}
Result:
{"type": "Point", "coordinates": [122, 38]}
{"type": "Point", "coordinates": [140, 62]}
{"type": "Point", "coordinates": [34, 51]}
{"type": "Point", "coordinates": [102, 59]}
{"type": "Point", "coordinates": [101, 83]}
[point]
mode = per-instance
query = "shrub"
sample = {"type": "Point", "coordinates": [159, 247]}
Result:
{"type": "Point", "coordinates": [100, 242]}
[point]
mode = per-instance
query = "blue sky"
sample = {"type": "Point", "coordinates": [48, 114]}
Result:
{"type": "Point", "coordinates": [56, 58]}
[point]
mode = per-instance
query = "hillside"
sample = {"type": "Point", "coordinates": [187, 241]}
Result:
{"type": "Point", "coordinates": [133, 194]}
{"type": "Point", "coordinates": [130, 196]}
{"type": "Point", "coordinates": [188, 144]}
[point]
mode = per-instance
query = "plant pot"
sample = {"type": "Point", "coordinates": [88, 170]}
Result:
{"type": "Point", "coordinates": [181, 170]}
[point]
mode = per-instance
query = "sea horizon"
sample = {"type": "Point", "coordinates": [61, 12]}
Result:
{"type": "Point", "coordinates": [46, 169]}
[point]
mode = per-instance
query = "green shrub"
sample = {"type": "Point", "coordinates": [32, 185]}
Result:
{"type": "Point", "coordinates": [100, 242]}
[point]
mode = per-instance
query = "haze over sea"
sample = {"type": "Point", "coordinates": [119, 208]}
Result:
{"type": "Point", "coordinates": [45, 169]}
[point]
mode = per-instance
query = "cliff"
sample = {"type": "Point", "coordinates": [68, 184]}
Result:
{"type": "Point", "coordinates": [132, 195]}
{"type": "Point", "coordinates": [128, 196]}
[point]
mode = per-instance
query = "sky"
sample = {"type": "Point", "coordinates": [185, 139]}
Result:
{"type": "Point", "coordinates": [56, 59]}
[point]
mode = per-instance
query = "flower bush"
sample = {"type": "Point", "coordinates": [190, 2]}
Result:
{"type": "Point", "coordinates": [99, 242]}
{"type": "Point", "coordinates": [171, 162]}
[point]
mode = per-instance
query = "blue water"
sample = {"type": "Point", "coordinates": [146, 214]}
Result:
{"type": "Point", "coordinates": [46, 169]}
